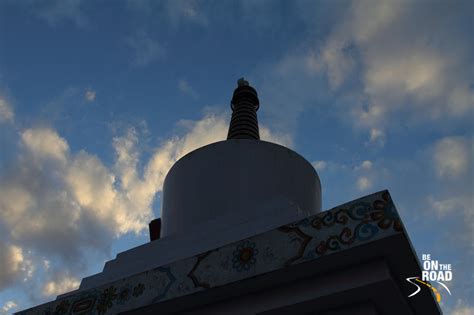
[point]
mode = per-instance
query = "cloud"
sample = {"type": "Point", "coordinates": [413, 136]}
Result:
{"type": "Point", "coordinates": [185, 11]}
{"type": "Point", "coordinates": [451, 156]}
{"type": "Point", "coordinates": [44, 143]}
{"type": "Point", "coordinates": [6, 111]}
{"type": "Point", "coordinates": [90, 95]}
{"type": "Point", "coordinates": [453, 204]}
{"type": "Point", "coordinates": [288, 88]}
{"type": "Point", "coordinates": [184, 87]}
{"type": "Point", "coordinates": [363, 183]}
{"type": "Point", "coordinates": [72, 205]}
{"type": "Point", "coordinates": [91, 185]}
{"type": "Point", "coordinates": [281, 138]}
{"type": "Point", "coordinates": [62, 284]}
{"type": "Point", "coordinates": [330, 166]}
{"type": "Point", "coordinates": [377, 136]}
{"type": "Point", "coordinates": [333, 61]}
{"type": "Point", "coordinates": [405, 60]}
{"type": "Point", "coordinates": [320, 165]}
{"type": "Point", "coordinates": [462, 309]}
{"type": "Point", "coordinates": [56, 12]}
{"type": "Point", "coordinates": [365, 165]}
{"type": "Point", "coordinates": [379, 64]}
{"type": "Point", "coordinates": [46, 264]}
{"type": "Point", "coordinates": [7, 307]}
{"type": "Point", "coordinates": [146, 50]}
{"type": "Point", "coordinates": [11, 260]}
{"type": "Point", "coordinates": [452, 165]}
{"type": "Point", "coordinates": [367, 175]}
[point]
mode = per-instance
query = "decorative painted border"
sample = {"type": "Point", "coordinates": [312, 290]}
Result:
{"type": "Point", "coordinates": [352, 224]}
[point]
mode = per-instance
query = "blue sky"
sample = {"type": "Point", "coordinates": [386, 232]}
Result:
{"type": "Point", "coordinates": [98, 99]}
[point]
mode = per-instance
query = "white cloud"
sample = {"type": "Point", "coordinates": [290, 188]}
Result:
{"type": "Point", "coordinates": [382, 13]}
{"type": "Point", "coordinates": [275, 137]}
{"type": "Point", "coordinates": [377, 136]}
{"type": "Point", "coordinates": [419, 73]}
{"type": "Point", "coordinates": [46, 264]}
{"type": "Point", "coordinates": [452, 156]}
{"type": "Point", "coordinates": [15, 201]}
{"type": "Point", "coordinates": [363, 183]}
{"type": "Point", "coordinates": [330, 166]}
{"type": "Point", "coordinates": [362, 23]}
{"type": "Point", "coordinates": [367, 117]}
{"type": "Point", "coordinates": [55, 12]}
{"type": "Point", "coordinates": [288, 88]}
{"type": "Point", "coordinates": [91, 184]}
{"type": "Point", "coordinates": [28, 269]}
{"type": "Point", "coordinates": [6, 111]}
{"type": "Point", "coordinates": [407, 60]}
{"type": "Point", "coordinates": [365, 165]}
{"type": "Point", "coordinates": [8, 306]}
{"type": "Point", "coordinates": [459, 204]}
{"type": "Point", "coordinates": [126, 157]}
{"type": "Point", "coordinates": [185, 11]}
{"type": "Point", "coordinates": [368, 175]}
{"type": "Point", "coordinates": [11, 261]}
{"type": "Point", "coordinates": [320, 165]}
{"type": "Point", "coordinates": [45, 143]}
{"type": "Point", "coordinates": [146, 50]}
{"type": "Point", "coordinates": [364, 174]}
{"type": "Point", "coordinates": [403, 66]}
{"type": "Point", "coordinates": [90, 95]}
{"type": "Point", "coordinates": [184, 87]}
{"type": "Point", "coordinates": [461, 98]}
{"type": "Point", "coordinates": [59, 286]}
{"type": "Point", "coordinates": [333, 61]}
{"type": "Point", "coordinates": [462, 309]}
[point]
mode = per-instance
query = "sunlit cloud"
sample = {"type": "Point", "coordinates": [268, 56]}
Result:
{"type": "Point", "coordinates": [6, 111]}
{"type": "Point", "coordinates": [8, 306]}
{"type": "Point", "coordinates": [59, 286]}
{"type": "Point", "coordinates": [11, 260]}
{"type": "Point", "coordinates": [90, 95]}
{"type": "Point", "coordinates": [452, 156]}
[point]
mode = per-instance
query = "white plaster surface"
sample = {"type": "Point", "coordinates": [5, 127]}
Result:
{"type": "Point", "coordinates": [230, 181]}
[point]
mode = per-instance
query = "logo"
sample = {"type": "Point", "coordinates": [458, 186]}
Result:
{"type": "Point", "coordinates": [433, 271]}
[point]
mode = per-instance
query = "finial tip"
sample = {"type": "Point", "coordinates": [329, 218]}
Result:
{"type": "Point", "coordinates": [242, 82]}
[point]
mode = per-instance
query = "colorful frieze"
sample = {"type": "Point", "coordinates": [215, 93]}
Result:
{"type": "Point", "coordinates": [352, 224]}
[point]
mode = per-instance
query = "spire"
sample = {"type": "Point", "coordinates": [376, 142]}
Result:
{"type": "Point", "coordinates": [244, 104]}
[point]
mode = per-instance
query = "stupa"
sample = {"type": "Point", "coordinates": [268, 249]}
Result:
{"type": "Point", "coordinates": [242, 232]}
